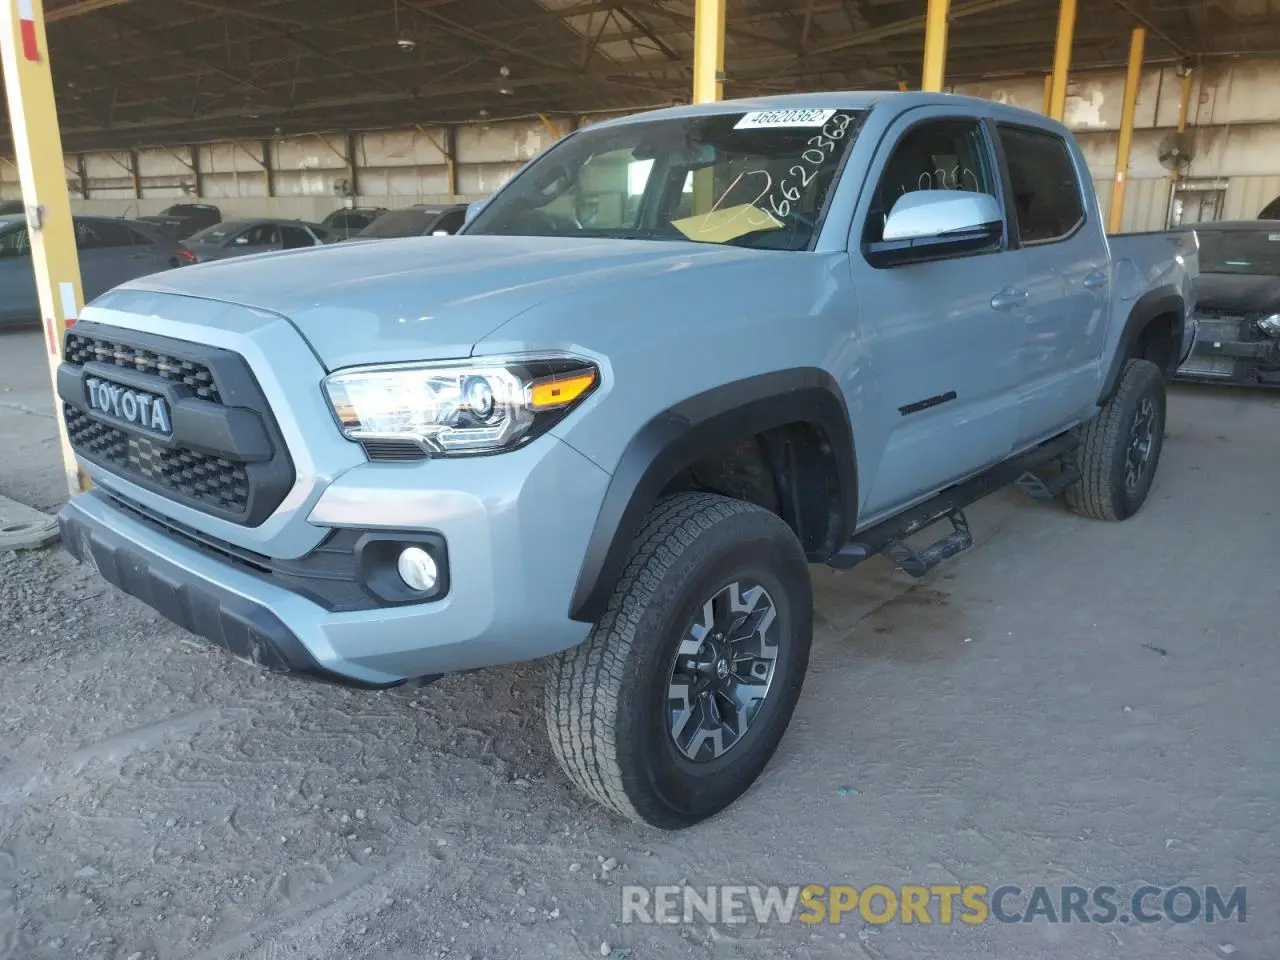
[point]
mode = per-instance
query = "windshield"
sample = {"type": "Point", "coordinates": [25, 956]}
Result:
{"type": "Point", "coordinates": [756, 179]}
{"type": "Point", "coordinates": [218, 232]}
{"type": "Point", "coordinates": [401, 223]}
{"type": "Point", "coordinates": [1239, 251]}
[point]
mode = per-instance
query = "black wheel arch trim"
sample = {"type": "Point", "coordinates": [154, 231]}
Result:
{"type": "Point", "coordinates": [678, 437]}
{"type": "Point", "coordinates": [1154, 303]}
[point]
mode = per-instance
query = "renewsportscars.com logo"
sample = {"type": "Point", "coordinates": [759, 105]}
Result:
{"type": "Point", "coordinates": [938, 903]}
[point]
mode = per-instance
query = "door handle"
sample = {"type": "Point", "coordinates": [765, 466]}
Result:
{"type": "Point", "coordinates": [1010, 298]}
{"type": "Point", "coordinates": [1095, 280]}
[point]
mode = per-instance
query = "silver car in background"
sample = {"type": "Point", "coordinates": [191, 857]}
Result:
{"type": "Point", "coordinates": [110, 251]}
{"type": "Point", "coordinates": [238, 238]}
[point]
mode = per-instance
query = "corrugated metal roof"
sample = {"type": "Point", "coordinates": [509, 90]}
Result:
{"type": "Point", "coordinates": [161, 71]}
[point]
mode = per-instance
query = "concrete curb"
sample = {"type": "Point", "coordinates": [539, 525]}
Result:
{"type": "Point", "coordinates": [22, 528]}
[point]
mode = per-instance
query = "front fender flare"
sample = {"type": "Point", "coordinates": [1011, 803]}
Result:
{"type": "Point", "coordinates": [681, 435]}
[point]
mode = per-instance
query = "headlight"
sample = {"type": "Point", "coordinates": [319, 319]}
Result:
{"type": "Point", "coordinates": [1270, 325]}
{"type": "Point", "coordinates": [482, 405]}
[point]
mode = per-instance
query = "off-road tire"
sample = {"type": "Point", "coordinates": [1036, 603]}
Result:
{"type": "Point", "coordinates": [606, 700]}
{"type": "Point", "coordinates": [1101, 491]}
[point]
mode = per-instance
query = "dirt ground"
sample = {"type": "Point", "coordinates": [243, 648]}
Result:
{"type": "Point", "coordinates": [1071, 702]}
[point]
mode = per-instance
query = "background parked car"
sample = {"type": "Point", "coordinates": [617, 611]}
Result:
{"type": "Point", "coordinates": [183, 219]}
{"type": "Point", "coordinates": [10, 207]}
{"type": "Point", "coordinates": [1237, 304]}
{"type": "Point", "coordinates": [235, 238]}
{"type": "Point", "coordinates": [417, 221]}
{"type": "Point", "coordinates": [110, 252]}
{"type": "Point", "coordinates": [346, 222]}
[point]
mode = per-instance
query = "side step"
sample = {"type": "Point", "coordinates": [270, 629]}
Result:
{"type": "Point", "coordinates": [889, 536]}
{"type": "Point", "coordinates": [918, 563]}
{"type": "Point", "coordinates": [1038, 488]}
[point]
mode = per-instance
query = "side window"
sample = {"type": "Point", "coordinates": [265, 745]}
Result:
{"type": "Point", "coordinates": [450, 222]}
{"type": "Point", "coordinates": [939, 155]}
{"type": "Point", "coordinates": [140, 238]}
{"type": "Point", "coordinates": [14, 243]}
{"type": "Point", "coordinates": [295, 237]}
{"type": "Point", "coordinates": [109, 233]}
{"type": "Point", "coordinates": [264, 234]}
{"type": "Point", "coordinates": [1046, 192]}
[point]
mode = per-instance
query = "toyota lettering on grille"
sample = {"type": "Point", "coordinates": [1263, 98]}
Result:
{"type": "Point", "coordinates": [128, 405]}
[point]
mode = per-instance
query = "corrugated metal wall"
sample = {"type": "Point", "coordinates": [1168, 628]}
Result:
{"type": "Point", "coordinates": [1235, 118]}
{"type": "Point", "coordinates": [309, 176]}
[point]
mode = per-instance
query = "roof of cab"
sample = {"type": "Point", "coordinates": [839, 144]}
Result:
{"type": "Point", "coordinates": [837, 99]}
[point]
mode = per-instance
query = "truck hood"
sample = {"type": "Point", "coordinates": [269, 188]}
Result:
{"type": "Point", "coordinates": [1243, 292]}
{"type": "Point", "coordinates": [424, 298]}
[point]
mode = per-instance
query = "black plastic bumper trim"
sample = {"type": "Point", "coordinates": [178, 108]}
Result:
{"type": "Point", "coordinates": [241, 626]}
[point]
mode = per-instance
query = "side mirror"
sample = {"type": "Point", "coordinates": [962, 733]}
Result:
{"type": "Point", "coordinates": [931, 224]}
{"type": "Point", "coordinates": [472, 211]}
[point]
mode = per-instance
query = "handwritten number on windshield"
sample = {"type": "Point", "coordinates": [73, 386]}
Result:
{"type": "Point", "coordinates": [821, 147]}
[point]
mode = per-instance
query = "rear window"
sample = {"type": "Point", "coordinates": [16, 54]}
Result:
{"type": "Point", "coordinates": [1240, 251]}
{"type": "Point", "coordinates": [400, 223]}
{"type": "Point", "coordinates": [1046, 193]}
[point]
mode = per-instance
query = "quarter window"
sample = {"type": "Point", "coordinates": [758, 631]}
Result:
{"type": "Point", "coordinates": [1046, 192]}
{"type": "Point", "coordinates": [941, 155]}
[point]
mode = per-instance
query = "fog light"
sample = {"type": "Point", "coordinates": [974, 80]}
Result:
{"type": "Point", "coordinates": [417, 568]}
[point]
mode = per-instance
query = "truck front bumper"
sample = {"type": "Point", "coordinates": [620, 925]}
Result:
{"type": "Point", "coordinates": [515, 533]}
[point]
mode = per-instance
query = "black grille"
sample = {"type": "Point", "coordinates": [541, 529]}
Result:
{"type": "Point", "coordinates": [225, 455]}
{"type": "Point", "coordinates": [80, 350]}
{"type": "Point", "coordinates": [211, 480]}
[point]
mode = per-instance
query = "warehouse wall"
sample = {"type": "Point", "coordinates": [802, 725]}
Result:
{"type": "Point", "coordinates": [308, 176]}
{"type": "Point", "coordinates": [1234, 116]}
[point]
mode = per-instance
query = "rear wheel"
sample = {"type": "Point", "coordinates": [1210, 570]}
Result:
{"type": "Point", "coordinates": [679, 696]}
{"type": "Point", "coordinates": [1120, 448]}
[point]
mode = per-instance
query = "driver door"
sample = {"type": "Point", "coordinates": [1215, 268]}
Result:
{"type": "Point", "coordinates": [943, 335]}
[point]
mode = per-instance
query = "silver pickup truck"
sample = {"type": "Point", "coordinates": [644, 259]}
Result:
{"type": "Point", "coordinates": [678, 358]}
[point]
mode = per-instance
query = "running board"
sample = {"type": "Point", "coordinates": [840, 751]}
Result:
{"type": "Point", "coordinates": [888, 536]}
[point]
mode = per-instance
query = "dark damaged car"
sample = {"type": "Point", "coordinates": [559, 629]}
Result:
{"type": "Point", "coordinates": [1238, 305]}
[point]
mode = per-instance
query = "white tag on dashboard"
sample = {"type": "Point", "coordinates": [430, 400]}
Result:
{"type": "Point", "coordinates": [794, 117]}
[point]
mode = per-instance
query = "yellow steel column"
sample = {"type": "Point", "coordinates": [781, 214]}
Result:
{"type": "Point", "coordinates": [37, 146]}
{"type": "Point", "coordinates": [708, 82]}
{"type": "Point", "coordinates": [935, 45]}
{"type": "Point", "coordinates": [1115, 213]}
{"type": "Point", "coordinates": [708, 51]}
{"type": "Point", "coordinates": [1062, 58]}
{"type": "Point", "coordinates": [1184, 105]}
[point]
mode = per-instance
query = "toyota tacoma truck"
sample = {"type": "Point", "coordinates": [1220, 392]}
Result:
{"type": "Point", "coordinates": [678, 358]}
{"type": "Point", "coordinates": [1237, 305]}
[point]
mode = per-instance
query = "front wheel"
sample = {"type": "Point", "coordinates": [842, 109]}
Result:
{"type": "Point", "coordinates": [680, 694]}
{"type": "Point", "coordinates": [1120, 447]}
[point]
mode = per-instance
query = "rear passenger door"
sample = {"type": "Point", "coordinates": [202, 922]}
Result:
{"type": "Point", "coordinates": [1068, 281]}
{"type": "Point", "coordinates": [942, 335]}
